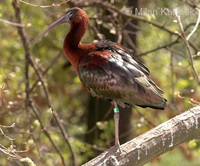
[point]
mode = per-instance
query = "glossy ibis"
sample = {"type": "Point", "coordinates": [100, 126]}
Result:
{"type": "Point", "coordinates": [107, 70]}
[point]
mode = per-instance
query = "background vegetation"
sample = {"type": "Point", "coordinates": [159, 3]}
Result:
{"type": "Point", "coordinates": [45, 111]}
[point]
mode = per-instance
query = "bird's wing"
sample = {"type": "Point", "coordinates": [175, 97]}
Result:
{"type": "Point", "coordinates": [130, 62]}
{"type": "Point", "coordinates": [112, 73]}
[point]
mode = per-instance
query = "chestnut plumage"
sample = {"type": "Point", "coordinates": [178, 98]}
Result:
{"type": "Point", "coordinates": [110, 72]}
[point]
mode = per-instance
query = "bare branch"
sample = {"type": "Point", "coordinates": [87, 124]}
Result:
{"type": "Point", "coordinates": [45, 71]}
{"type": "Point", "coordinates": [15, 4]}
{"type": "Point", "coordinates": [159, 140]}
{"type": "Point", "coordinates": [66, 137]}
{"type": "Point", "coordinates": [158, 48]}
{"type": "Point", "coordinates": [47, 133]}
{"type": "Point", "coordinates": [183, 36]}
{"type": "Point", "coordinates": [14, 24]}
{"type": "Point", "coordinates": [196, 26]}
{"type": "Point", "coordinates": [46, 6]}
{"type": "Point", "coordinates": [62, 129]}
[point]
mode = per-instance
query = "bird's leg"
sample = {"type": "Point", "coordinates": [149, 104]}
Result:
{"type": "Point", "coordinates": [116, 120]}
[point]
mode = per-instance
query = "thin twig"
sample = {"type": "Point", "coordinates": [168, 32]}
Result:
{"type": "Point", "coordinates": [66, 137]}
{"type": "Point", "coordinates": [96, 32]}
{"type": "Point", "coordinates": [15, 24]}
{"type": "Point", "coordinates": [129, 40]}
{"type": "Point", "coordinates": [47, 133]}
{"type": "Point", "coordinates": [45, 71]}
{"type": "Point", "coordinates": [183, 36]}
{"type": "Point", "coordinates": [46, 6]}
{"type": "Point", "coordinates": [2, 93]}
{"type": "Point", "coordinates": [158, 48]}
{"type": "Point", "coordinates": [172, 76]}
{"type": "Point", "coordinates": [195, 27]}
{"type": "Point", "coordinates": [191, 4]}
{"type": "Point", "coordinates": [9, 152]}
{"type": "Point", "coordinates": [42, 82]}
{"type": "Point", "coordinates": [2, 132]}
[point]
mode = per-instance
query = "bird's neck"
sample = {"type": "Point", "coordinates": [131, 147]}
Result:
{"type": "Point", "coordinates": [72, 45]}
{"type": "Point", "coordinates": [75, 34]}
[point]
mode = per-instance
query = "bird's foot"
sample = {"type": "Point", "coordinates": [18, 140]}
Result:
{"type": "Point", "coordinates": [116, 149]}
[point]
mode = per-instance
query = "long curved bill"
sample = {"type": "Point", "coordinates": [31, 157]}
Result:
{"type": "Point", "coordinates": [65, 18]}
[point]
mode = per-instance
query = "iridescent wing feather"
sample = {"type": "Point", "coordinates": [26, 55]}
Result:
{"type": "Point", "coordinates": [110, 72]}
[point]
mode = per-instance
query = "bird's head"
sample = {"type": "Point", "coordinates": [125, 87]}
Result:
{"type": "Point", "coordinates": [72, 16]}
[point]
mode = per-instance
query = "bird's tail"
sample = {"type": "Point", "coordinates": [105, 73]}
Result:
{"type": "Point", "coordinates": [161, 105]}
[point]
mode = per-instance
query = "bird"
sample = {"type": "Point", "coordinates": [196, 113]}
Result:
{"type": "Point", "coordinates": [107, 70]}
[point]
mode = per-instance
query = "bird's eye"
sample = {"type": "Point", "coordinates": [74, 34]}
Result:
{"type": "Point", "coordinates": [69, 14]}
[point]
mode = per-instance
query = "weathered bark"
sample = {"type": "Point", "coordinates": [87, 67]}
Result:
{"type": "Point", "coordinates": [155, 142]}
